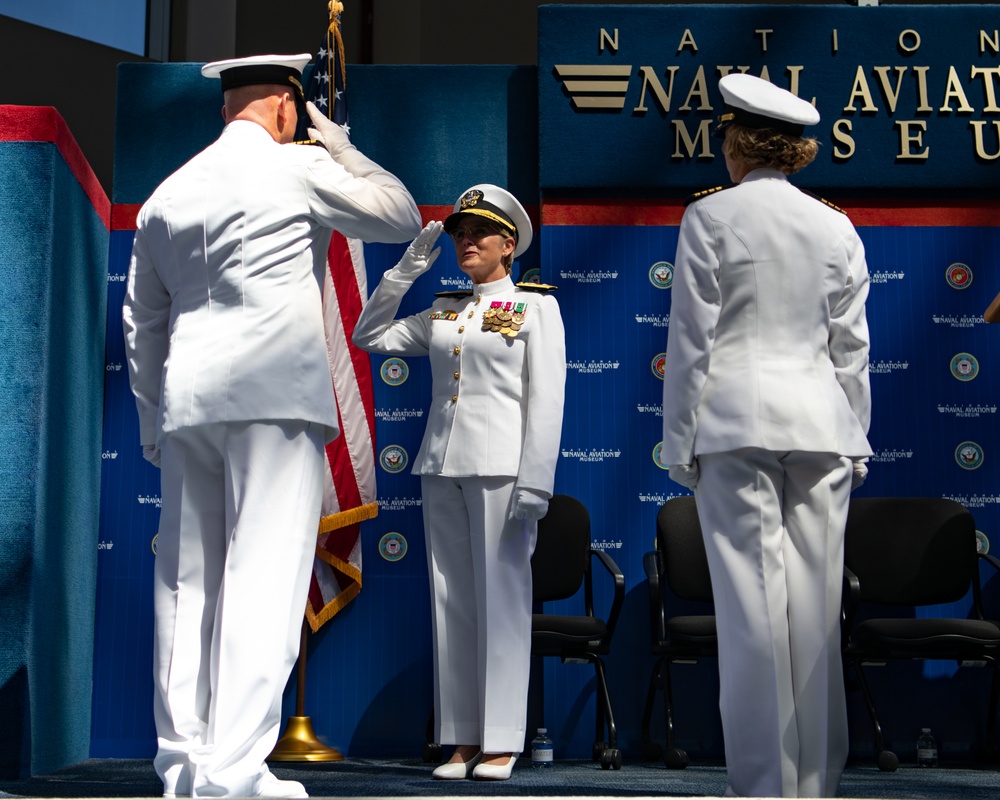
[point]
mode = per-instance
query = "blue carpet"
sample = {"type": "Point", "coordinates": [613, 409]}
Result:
{"type": "Point", "coordinates": [379, 778]}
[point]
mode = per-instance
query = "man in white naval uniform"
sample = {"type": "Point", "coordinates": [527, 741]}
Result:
{"type": "Point", "coordinates": [487, 465]}
{"type": "Point", "coordinates": [766, 408]}
{"type": "Point", "coordinates": [227, 359]}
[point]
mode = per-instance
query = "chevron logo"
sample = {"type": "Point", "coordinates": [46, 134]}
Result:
{"type": "Point", "coordinates": [594, 86]}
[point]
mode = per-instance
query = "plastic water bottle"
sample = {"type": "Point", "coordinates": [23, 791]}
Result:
{"type": "Point", "coordinates": [541, 749]}
{"type": "Point", "coordinates": [927, 755]}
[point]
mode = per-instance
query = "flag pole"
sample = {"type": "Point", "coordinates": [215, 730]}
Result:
{"type": "Point", "coordinates": [299, 742]}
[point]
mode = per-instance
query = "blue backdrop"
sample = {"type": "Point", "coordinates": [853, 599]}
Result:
{"type": "Point", "coordinates": [607, 232]}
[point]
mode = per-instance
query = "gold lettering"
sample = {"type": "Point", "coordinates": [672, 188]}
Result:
{"type": "Point", "coordinates": [988, 73]}
{"type": "Point", "coordinates": [699, 87]}
{"type": "Point", "coordinates": [861, 90]}
{"type": "Point", "coordinates": [908, 139]}
{"type": "Point", "coordinates": [724, 71]}
{"type": "Point", "coordinates": [607, 39]}
{"type": "Point", "coordinates": [836, 46]}
{"type": "Point", "coordinates": [954, 91]}
{"type": "Point", "coordinates": [909, 48]}
{"type": "Point", "coordinates": [689, 142]}
{"type": "Point", "coordinates": [764, 73]}
{"type": "Point", "coordinates": [977, 126]}
{"type": "Point", "coordinates": [649, 79]}
{"type": "Point", "coordinates": [763, 37]}
{"type": "Point", "coordinates": [687, 40]}
{"type": "Point", "coordinates": [891, 97]}
{"type": "Point", "coordinates": [842, 135]}
{"type": "Point", "coordinates": [984, 40]}
{"type": "Point", "coordinates": [925, 105]}
{"type": "Point", "coordinates": [793, 80]}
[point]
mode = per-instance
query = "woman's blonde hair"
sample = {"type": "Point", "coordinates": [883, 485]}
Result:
{"type": "Point", "coordinates": [766, 148]}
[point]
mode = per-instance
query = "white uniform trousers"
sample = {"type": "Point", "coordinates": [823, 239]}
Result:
{"type": "Point", "coordinates": [240, 512]}
{"type": "Point", "coordinates": [479, 562]}
{"type": "Point", "coordinates": [773, 525]}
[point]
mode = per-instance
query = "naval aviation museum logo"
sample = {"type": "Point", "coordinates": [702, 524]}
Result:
{"type": "Point", "coordinates": [964, 366]}
{"type": "Point", "coordinates": [969, 455]}
{"type": "Point", "coordinates": [657, 452]}
{"type": "Point", "coordinates": [393, 458]}
{"type": "Point", "coordinates": [392, 546]}
{"type": "Point", "coordinates": [394, 371]}
{"type": "Point", "coordinates": [661, 275]}
{"type": "Point", "coordinates": [959, 276]}
{"type": "Point", "coordinates": [982, 543]}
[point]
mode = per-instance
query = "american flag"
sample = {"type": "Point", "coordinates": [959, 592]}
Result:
{"type": "Point", "coordinates": [349, 496]}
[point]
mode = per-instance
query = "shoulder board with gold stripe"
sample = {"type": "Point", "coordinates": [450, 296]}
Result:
{"type": "Point", "coordinates": [309, 141]}
{"type": "Point", "coordinates": [823, 200]}
{"type": "Point", "coordinates": [456, 293]}
{"type": "Point", "coordinates": [536, 287]}
{"type": "Point", "coordinates": [704, 193]}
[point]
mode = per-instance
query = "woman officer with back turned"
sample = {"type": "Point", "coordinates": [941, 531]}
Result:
{"type": "Point", "coordinates": [766, 411]}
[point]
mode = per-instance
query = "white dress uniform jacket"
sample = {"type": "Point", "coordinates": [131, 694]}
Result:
{"type": "Point", "coordinates": [766, 393]}
{"type": "Point", "coordinates": [226, 277]}
{"type": "Point", "coordinates": [497, 401]}
{"type": "Point", "coordinates": [772, 377]}
{"type": "Point", "coordinates": [227, 357]}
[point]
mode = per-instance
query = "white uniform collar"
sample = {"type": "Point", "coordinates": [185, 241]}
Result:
{"type": "Point", "coordinates": [764, 173]}
{"type": "Point", "coordinates": [505, 284]}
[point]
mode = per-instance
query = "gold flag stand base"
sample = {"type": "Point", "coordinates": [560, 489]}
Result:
{"type": "Point", "coordinates": [300, 744]}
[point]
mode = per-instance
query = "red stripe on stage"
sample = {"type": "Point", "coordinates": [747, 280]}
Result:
{"type": "Point", "coordinates": [973, 214]}
{"type": "Point", "coordinates": [45, 124]}
{"type": "Point", "coordinates": [898, 213]}
{"type": "Point", "coordinates": [614, 212]}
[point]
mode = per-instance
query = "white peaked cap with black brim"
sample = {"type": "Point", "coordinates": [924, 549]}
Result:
{"type": "Point", "coordinates": [756, 103]}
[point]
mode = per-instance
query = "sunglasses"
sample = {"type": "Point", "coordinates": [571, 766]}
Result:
{"type": "Point", "coordinates": [474, 232]}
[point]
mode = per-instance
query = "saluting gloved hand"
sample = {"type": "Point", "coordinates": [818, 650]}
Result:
{"type": "Point", "coordinates": [685, 474]}
{"type": "Point", "coordinates": [151, 453]}
{"type": "Point", "coordinates": [326, 131]}
{"type": "Point", "coordinates": [860, 472]}
{"type": "Point", "coordinates": [418, 256]}
{"type": "Point", "coordinates": [529, 505]}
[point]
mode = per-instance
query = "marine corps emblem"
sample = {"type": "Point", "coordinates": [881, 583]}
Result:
{"type": "Point", "coordinates": [659, 365]}
{"type": "Point", "coordinates": [959, 276]}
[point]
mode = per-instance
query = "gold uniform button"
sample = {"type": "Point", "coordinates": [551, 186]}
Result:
{"type": "Point", "coordinates": [454, 398]}
{"type": "Point", "coordinates": [457, 350]}
{"type": "Point", "coordinates": [462, 329]}
{"type": "Point", "coordinates": [456, 376]}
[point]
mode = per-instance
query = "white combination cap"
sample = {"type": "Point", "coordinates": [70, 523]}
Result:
{"type": "Point", "coordinates": [497, 205]}
{"type": "Point", "coordinates": [757, 103]}
{"type": "Point", "coordinates": [254, 70]}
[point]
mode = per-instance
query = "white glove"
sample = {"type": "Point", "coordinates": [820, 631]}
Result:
{"type": "Point", "coordinates": [529, 505]}
{"type": "Point", "coordinates": [859, 474]}
{"type": "Point", "coordinates": [685, 474]}
{"type": "Point", "coordinates": [151, 453]}
{"type": "Point", "coordinates": [333, 137]}
{"type": "Point", "coordinates": [418, 256]}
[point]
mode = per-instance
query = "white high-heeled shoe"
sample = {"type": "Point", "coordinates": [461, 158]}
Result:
{"type": "Point", "coordinates": [495, 772]}
{"type": "Point", "coordinates": [457, 770]}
